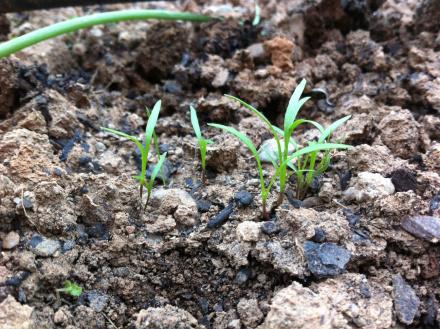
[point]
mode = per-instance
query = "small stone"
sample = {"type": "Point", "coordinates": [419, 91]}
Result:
{"type": "Point", "coordinates": [60, 317]}
{"type": "Point", "coordinates": [326, 259]}
{"type": "Point", "coordinates": [68, 245]}
{"type": "Point", "coordinates": [243, 275]}
{"type": "Point", "coordinates": [270, 228]}
{"type": "Point", "coordinates": [203, 205]}
{"type": "Point", "coordinates": [221, 217]}
{"type": "Point", "coordinates": [368, 186]}
{"type": "Point", "coordinates": [435, 203]}
{"type": "Point", "coordinates": [404, 180]}
{"type": "Point", "coordinates": [249, 312]}
{"type": "Point", "coordinates": [11, 240]}
{"type": "Point", "coordinates": [97, 300]}
{"type": "Point", "coordinates": [311, 202]}
{"type": "Point", "coordinates": [256, 51]}
{"type": "Point", "coordinates": [269, 150]}
{"type": "Point", "coordinates": [248, 231]}
{"type": "Point", "coordinates": [352, 218]}
{"type": "Point", "coordinates": [244, 198]}
{"type": "Point", "coordinates": [423, 227]}
{"type": "Point", "coordinates": [42, 246]}
{"type": "Point", "coordinates": [406, 302]}
{"type": "Point", "coordinates": [13, 315]}
{"type": "Point", "coordinates": [319, 235]}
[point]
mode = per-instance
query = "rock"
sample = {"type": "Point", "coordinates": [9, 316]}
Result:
{"type": "Point", "coordinates": [161, 224]}
{"type": "Point", "coordinates": [434, 205]}
{"type": "Point", "coordinates": [243, 275]}
{"type": "Point", "coordinates": [11, 240]}
{"type": "Point", "coordinates": [256, 51]}
{"type": "Point", "coordinates": [406, 302]}
{"type": "Point", "coordinates": [404, 180]}
{"type": "Point", "coordinates": [177, 203]}
{"type": "Point", "coordinates": [368, 186]}
{"type": "Point", "coordinates": [169, 317]}
{"type": "Point", "coordinates": [375, 159]}
{"type": "Point", "coordinates": [326, 259]}
{"type": "Point", "coordinates": [97, 300]}
{"type": "Point", "coordinates": [221, 217]}
{"type": "Point", "coordinates": [280, 50]}
{"type": "Point", "coordinates": [249, 312]}
{"type": "Point", "coordinates": [297, 307]}
{"type": "Point", "coordinates": [270, 228]}
{"type": "Point", "coordinates": [244, 198]}
{"type": "Point", "coordinates": [432, 94]}
{"type": "Point", "coordinates": [284, 259]}
{"type": "Point", "coordinates": [364, 51]}
{"type": "Point", "coordinates": [352, 217]}
{"type": "Point", "coordinates": [42, 246]}
{"type": "Point", "coordinates": [319, 235]}
{"type": "Point", "coordinates": [203, 205]}
{"type": "Point", "coordinates": [423, 227]}
{"type": "Point", "coordinates": [400, 133]}
{"type": "Point", "coordinates": [13, 315]}
{"type": "Point", "coordinates": [248, 231]}
{"type": "Point", "coordinates": [268, 151]}
{"type": "Point", "coordinates": [68, 245]}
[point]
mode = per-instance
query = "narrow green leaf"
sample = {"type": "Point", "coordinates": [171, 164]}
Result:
{"type": "Point", "coordinates": [293, 108]}
{"type": "Point", "coordinates": [124, 135]}
{"type": "Point", "coordinates": [157, 168]}
{"type": "Point", "coordinates": [195, 123]}
{"type": "Point", "coordinates": [314, 148]}
{"type": "Point", "coordinates": [330, 129]}
{"type": "Point", "coordinates": [246, 140]}
{"type": "Point", "coordinates": [151, 124]}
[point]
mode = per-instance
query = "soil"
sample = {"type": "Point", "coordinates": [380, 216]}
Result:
{"type": "Point", "coordinates": [360, 251]}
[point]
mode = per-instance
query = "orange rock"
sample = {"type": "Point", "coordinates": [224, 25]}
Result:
{"type": "Point", "coordinates": [280, 50]}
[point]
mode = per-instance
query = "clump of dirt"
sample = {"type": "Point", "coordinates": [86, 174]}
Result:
{"type": "Point", "coordinates": [359, 251]}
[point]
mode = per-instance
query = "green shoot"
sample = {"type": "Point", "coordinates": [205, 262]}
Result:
{"type": "Point", "coordinates": [203, 143]}
{"type": "Point", "coordinates": [71, 288]}
{"type": "Point", "coordinates": [265, 190]}
{"type": "Point", "coordinates": [12, 46]}
{"type": "Point", "coordinates": [145, 151]}
{"type": "Point", "coordinates": [305, 168]}
{"type": "Point", "coordinates": [156, 143]}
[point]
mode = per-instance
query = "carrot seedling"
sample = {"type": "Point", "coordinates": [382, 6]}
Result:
{"type": "Point", "coordinates": [71, 288]}
{"type": "Point", "coordinates": [283, 138]}
{"type": "Point", "coordinates": [203, 142]}
{"type": "Point", "coordinates": [145, 150]}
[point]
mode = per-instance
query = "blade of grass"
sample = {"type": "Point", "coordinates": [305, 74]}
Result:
{"type": "Point", "coordinates": [77, 23]}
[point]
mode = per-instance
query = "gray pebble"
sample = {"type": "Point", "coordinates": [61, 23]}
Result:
{"type": "Point", "coordinates": [42, 246]}
{"type": "Point", "coordinates": [97, 300]}
{"type": "Point", "coordinates": [244, 198]}
{"type": "Point", "coordinates": [406, 302]}
{"type": "Point", "coordinates": [326, 259]}
{"type": "Point", "coordinates": [423, 227]}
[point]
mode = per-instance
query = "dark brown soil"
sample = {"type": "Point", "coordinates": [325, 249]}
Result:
{"type": "Point", "coordinates": [201, 256]}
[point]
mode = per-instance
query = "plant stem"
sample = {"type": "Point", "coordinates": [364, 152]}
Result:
{"type": "Point", "coordinates": [74, 24]}
{"type": "Point", "coordinates": [265, 213]}
{"type": "Point", "coordinates": [203, 177]}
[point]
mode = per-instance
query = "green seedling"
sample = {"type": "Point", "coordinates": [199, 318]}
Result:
{"type": "Point", "coordinates": [283, 138]}
{"type": "Point", "coordinates": [203, 142]}
{"type": "Point", "coordinates": [12, 46]}
{"type": "Point", "coordinates": [71, 288]}
{"type": "Point", "coordinates": [310, 165]}
{"type": "Point", "coordinates": [156, 146]}
{"type": "Point", "coordinates": [144, 182]}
